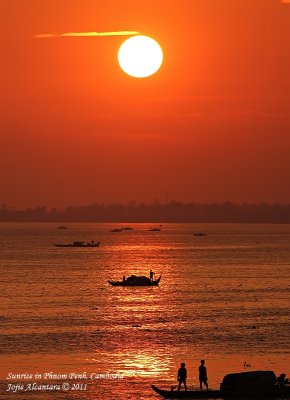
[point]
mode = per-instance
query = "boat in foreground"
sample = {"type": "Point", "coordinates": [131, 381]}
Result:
{"type": "Point", "coordinates": [245, 385]}
{"type": "Point", "coordinates": [189, 394]}
{"type": "Point", "coordinates": [134, 280]}
{"type": "Point", "coordinates": [79, 244]}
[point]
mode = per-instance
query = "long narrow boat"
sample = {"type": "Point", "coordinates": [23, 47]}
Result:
{"type": "Point", "coordinates": [277, 393]}
{"type": "Point", "coordinates": [241, 385]}
{"type": "Point", "coordinates": [189, 394]}
{"type": "Point", "coordinates": [134, 280]}
{"type": "Point", "coordinates": [79, 244]}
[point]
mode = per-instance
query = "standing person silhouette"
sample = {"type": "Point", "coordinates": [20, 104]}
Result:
{"type": "Point", "coordinates": [181, 376]}
{"type": "Point", "coordinates": [202, 375]}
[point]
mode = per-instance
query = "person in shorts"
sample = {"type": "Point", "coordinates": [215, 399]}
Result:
{"type": "Point", "coordinates": [202, 375]}
{"type": "Point", "coordinates": [181, 376]}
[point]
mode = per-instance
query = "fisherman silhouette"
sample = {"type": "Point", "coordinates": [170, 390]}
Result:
{"type": "Point", "coordinates": [282, 381]}
{"type": "Point", "coordinates": [202, 375]}
{"type": "Point", "coordinates": [181, 376]}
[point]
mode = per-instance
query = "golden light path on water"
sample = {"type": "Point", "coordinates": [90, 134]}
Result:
{"type": "Point", "coordinates": [141, 364]}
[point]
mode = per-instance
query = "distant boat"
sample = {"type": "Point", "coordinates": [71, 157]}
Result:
{"type": "Point", "coordinates": [156, 229]}
{"type": "Point", "coordinates": [61, 227]}
{"type": "Point", "coordinates": [134, 280]}
{"type": "Point", "coordinates": [200, 234]}
{"type": "Point", "coordinates": [126, 228]}
{"type": "Point", "coordinates": [79, 244]}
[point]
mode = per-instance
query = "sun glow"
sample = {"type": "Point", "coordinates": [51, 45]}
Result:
{"type": "Point", "coordinates": [140, 56]}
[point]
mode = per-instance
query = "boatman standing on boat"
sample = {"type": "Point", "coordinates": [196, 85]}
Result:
{"type": "Point", "coordinates": [181, 376]}
{"type": "Point", "coordinates": [202, 375]}
{"type": "Point", "coordinates": [151, 275]}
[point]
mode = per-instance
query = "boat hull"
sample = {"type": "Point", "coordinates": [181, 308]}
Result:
{"type": "Point", "coordinates": [77, 246]}
{"type": "Point", "coordinates": [189, 394]}
{"type": "Point", "coordinates": [276, 393]}
{"type": "Point", "coordinates": [125, 283]}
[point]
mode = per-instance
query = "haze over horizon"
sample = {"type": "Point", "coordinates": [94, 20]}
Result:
{"type": "Point", "coordinates": [132, 203]}
{"type": "Point", "coordinates": [212, 125]}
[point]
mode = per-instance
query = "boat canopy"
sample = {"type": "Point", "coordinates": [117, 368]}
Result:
{"type": "Point", "coordinates": [249, 378]}
{"type": "Point", "coordinates": [138, 278]}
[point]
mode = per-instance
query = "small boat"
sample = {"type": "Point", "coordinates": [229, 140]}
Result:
{"type": "Point", "coordinates": [189, 394]}
{"type": "Point", "coordinates": [200, 234]}
{"type": "Point", "coordinates": [134, 280]}
{"type": "Point", "coordinates": [245, 385]}
{"type": "Point", "coordinates": [79, 244]}
{"type": "Point", "coordinates": [157, 229]}
{"type": "Point", "coordinates": [126, 228]}
{"type": "Point", "coordinates": [61, 227]}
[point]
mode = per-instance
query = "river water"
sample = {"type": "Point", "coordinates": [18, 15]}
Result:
{"type": "Point", "coordinates": [223, 297]}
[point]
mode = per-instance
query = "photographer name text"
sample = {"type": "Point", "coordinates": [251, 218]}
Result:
{"type": "Point", "coordinates": [66, 379]}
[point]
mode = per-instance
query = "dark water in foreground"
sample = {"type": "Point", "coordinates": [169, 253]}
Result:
{"type": "Point", "coordinates": [223, 297]}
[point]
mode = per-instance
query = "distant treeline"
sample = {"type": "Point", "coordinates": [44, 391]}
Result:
{"type": "Point", "coordinates": [156, 212]}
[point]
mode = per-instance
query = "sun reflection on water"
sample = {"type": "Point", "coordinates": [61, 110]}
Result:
{"type": "Point", "coordinates": [143, 363]}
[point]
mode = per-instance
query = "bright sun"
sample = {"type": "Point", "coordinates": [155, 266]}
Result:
{"type": "Point", "coordinates": [140, 56]}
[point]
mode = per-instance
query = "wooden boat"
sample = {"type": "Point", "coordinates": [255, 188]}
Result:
{"type": "Point", "coordinates": [189, 394]}
{"type": "Point", "coordinates": [126, 228]}
{"type": "Point", "coordinates": [154, 229]}
{"type": "Point", "coordinates": [134, 280]}
{"type": "Point", "coordinates": [278, 393]}
{"type": "Point", "coordinates": [79, 244]}
{"type": "Point", "coordinates": [242, 385]}
{"type": "Point", "coordinates": [200, 234]}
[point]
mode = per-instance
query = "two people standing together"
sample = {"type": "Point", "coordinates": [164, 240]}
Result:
{"type": "Point", "coordinates": [182, 375]}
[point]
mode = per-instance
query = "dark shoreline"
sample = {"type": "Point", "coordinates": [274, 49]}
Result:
{"type": "Point", "coordinates": [173, 212]}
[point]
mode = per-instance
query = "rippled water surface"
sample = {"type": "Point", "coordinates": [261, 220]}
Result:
{"type": "Point", "coordinates": [223, 297]}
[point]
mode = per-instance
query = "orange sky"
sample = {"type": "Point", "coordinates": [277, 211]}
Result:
{"type": "Point", "coordinates": [211, 125]}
